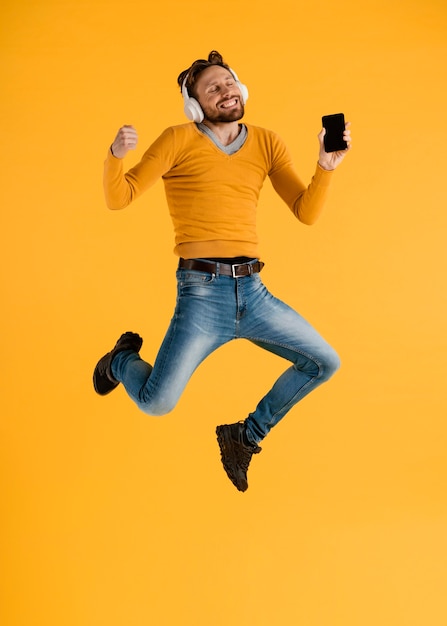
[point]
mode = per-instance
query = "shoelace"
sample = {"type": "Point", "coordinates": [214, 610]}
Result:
{"type": "Point", "coordinates": [244, 454]}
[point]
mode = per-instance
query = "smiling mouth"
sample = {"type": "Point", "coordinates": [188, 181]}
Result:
{"type": "Point", "coordinates": [229, 104]}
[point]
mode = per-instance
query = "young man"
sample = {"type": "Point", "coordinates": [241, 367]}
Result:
{"type": "Point", "coordinates": [213, 169]}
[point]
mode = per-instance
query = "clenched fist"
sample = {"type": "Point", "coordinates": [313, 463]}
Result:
{"type": "Point", "coordinates": [126, 139]}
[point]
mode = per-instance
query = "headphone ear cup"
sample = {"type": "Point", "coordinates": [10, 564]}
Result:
{"type": "Point", "coordinates": [193, 110]}
{"type": "Point", "coordinates": [244, 91]}
{"type": "Point", "coordinates": [191, 107]}
{"type": "Point", "coordinates": [242, 88]}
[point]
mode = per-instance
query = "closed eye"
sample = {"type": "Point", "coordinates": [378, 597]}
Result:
{"type": "Point", "coordinates": [215, 88]}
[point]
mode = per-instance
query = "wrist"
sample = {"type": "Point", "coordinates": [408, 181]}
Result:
{"type": "Point", "coordinates": [325, 166]}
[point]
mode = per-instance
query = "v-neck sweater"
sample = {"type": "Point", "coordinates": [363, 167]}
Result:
{"type": "Point", "coordinates": [212, 196]}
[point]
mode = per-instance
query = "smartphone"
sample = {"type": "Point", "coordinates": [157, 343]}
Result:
{"type": "Point", "coordinates": [335, 126]}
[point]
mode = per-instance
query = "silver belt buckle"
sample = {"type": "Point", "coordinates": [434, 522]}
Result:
{"type": "Point", "coordinates": [233, 269]}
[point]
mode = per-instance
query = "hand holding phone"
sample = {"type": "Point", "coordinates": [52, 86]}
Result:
{"type": "Point", "coordinates": [335, 127]}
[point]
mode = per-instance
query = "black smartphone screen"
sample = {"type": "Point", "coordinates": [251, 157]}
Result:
{"type": "Point", "coordinates": [335, 126]}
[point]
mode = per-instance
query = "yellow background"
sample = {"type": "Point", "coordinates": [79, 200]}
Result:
{"type": "Point", "coordinates": [113, 518]}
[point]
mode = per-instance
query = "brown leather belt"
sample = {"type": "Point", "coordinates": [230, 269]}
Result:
{"type": "Point", "coordinates": [236, 270]}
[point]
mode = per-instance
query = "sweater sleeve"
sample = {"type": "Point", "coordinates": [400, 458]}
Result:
{"type": "Point", "coordinates": [121, 188]}
{"type": "Point", "coordinates": [306, 203]}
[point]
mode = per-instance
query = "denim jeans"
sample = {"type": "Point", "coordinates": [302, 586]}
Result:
{"type": "Point", "coordinates": [211, 310]}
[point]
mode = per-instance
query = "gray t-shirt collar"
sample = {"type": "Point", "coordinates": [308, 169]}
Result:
{"type": "Point", "coordinates": [233, 147]}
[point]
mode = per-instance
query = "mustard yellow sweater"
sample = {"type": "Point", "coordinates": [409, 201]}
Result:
{"type": "Point", "coordinates": [212, 197]}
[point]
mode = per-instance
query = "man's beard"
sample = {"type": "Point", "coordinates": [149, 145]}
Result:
{"type": "Point", "coordinates": [222, 116]}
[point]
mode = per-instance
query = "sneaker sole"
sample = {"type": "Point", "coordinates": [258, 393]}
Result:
{"type": "Point", "coordinates": [226, 449]}
{"type": "Point", "coordinates": [101, 384]}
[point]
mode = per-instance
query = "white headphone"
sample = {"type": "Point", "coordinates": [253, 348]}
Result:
{"type": "Point", "coordinates": [192, 108]}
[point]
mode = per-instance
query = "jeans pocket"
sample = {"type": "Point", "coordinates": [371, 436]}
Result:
{"type": "Point", "coordinates": [188, 279]}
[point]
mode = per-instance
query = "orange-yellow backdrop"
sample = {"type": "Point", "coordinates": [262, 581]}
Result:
{"type": "Point", "coordinates": [113, 518]}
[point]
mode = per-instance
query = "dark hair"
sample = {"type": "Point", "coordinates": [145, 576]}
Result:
{"type": "Point", "coordinates": [191, 74]}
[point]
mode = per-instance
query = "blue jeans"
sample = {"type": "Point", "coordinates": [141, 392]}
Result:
{"type": "Point", "coordinates": [211, 310]}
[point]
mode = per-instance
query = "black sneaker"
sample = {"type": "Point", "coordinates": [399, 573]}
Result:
{"type": "Point", "coordinates": [236, 454]}
{"type": "Point", "coordinates": [103, 380]}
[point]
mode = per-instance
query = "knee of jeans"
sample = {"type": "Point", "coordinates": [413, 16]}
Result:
{"type": "Point", "coordinates": [322, 366]}
{"type": "Point", "coordinates": [157, 408]}
{"type": "Point", "coordinates": [330, 365]}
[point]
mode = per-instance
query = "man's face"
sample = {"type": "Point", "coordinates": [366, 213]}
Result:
{"type": "Point", "coordinates": [218, 95]}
